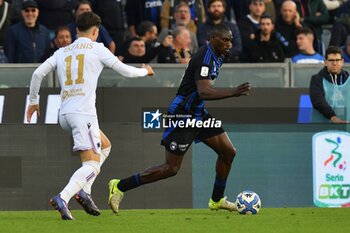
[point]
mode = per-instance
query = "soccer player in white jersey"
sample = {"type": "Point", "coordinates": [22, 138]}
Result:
{"type": "Point", "coordinates": [78, 67]}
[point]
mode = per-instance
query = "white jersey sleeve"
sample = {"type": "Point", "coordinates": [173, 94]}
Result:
{"type": "Point", "coordinates": [37, 77]}
{"type": "Point", "coordinates": [111, 61]}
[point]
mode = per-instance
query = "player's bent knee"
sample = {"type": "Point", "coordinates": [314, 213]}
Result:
{"type": "Point", "coordinates": [105, 152]}
{"type": "Point", "coordinates": [228, 155]}
{"type": "Point", "coordinates": [234, 152]}
{"type": "Point", "coordinates": [105, 143]}
{"type": "Point", "coordinates": [228, 152]}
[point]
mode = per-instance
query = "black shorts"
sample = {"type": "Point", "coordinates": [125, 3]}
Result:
{"type": "Point", "coordinates": [178, 140]}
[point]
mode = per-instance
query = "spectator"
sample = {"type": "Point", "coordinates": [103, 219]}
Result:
{"type": "Point", "coordinates": [27, 41]}
{"type": "Point", "coordinates": [305, 39]}
{"type": "Point", "coordinates": [236, 10]}
{"type": "Point", "coordinates": [313, 14]}
{"type": "Point", "coordinates": [136, 51]}
{"type": "Point", "coordinates": [62, 39]}
{"type": "Point", "coordinates": [329, 89]}
{"type": "Point", "coordinates": [5, 22]}
{"type": "Point", "coordinates": [239, 9]}
{"type": "Point", "coordinates": [147, 32]}
{"type": "Point", "coordinates": [344, 8]}
{"type": "Point", "coordinates": [182, 18]}
{"type": "Point", "coordinates": [197, 13]}
{"type": "Point", "coordinates": [112, 14]}
{"type": "Point", "coordinates": [180, 51]}
{"type": "Point", "coordinates": [345, 51]}
{"type": "Point", "coordinates": [103, 36]}
{"type": "Point", "coordinates": [286, 26]}
{"type": "Point", "coordinates": [270, 9]}
{"type": "Point", "coordinates": [55, 13]}
{"type": "Point", "coordinates": [250, 25]}
{"type": "Point", "coordinates": [266, 47]}
{"type": "Point", "coordinates": [216, 16]}
{"type": "Point", "coordinates": [332, 7]}
{"type": "Point", "coordinates": [17, 8]}
{"type": "Point", "coordinates": [6, 11]}
{"type": "Point", "coordinates": [341, 29]}
{"type": "Point", "coordinates": [141, 10]}
{"type": "Point", "coordinates": [333, 4]}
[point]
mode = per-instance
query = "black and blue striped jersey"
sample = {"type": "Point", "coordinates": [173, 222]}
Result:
{"type": "Point", "coordinates": [203, 65]}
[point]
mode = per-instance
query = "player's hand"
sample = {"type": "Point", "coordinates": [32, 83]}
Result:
{"type": "Point", "coordinates": [149, 69]}
{"type": "Point", "coordinates": [242, 89]}
{"type": "Point", "coordinates": [337, 120]}
{"type": "Point", "coordinates": [31, 110]}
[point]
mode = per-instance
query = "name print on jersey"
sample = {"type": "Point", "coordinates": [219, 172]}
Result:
{"type": "Point", "coordinates": [78, 46]}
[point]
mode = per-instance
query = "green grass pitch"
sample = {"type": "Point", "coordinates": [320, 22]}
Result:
{"type": "Point", "coordinates": [268, 220]}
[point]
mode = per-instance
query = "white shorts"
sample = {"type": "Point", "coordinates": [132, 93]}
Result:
{"type": "Point", "coordinates": [85, 131]}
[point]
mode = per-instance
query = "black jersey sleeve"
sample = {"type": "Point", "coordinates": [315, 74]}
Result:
{"type": "Point", "coordinates": [201, 70]}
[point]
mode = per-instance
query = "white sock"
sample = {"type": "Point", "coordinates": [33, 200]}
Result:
{"type": "Point", "coordinates": [104, 154]}
{"type": "Point", "coordinates": [84, 174]}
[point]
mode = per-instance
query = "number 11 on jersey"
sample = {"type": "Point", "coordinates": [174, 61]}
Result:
{"type": "Point", "coordinates": [80, 79]}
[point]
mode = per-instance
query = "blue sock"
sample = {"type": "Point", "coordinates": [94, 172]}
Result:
{"type": "Point", "coordinates": [219, 189]}
{"type": "Point", "coordinates": [129, 183]}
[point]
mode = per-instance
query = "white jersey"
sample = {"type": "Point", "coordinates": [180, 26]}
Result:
{"type": "Point", "coordinates": [78, 68]}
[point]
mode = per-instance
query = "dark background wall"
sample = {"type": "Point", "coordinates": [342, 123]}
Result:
{"type": "Point", "coordinates": [126, 104]}
{"type": "Point", "coordinates": [36, 162]}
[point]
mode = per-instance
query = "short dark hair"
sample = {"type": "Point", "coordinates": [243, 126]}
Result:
{"type": "Point", "coordinates": [333, 50]}
{"type": "Point", "coordinates": [129, 42]}
{"type": "Point", "coordinates": [209, 2]}
{"type": "Point", "coordinates": [144, 27]}
{"type": "Point", "coordinates": [304, 30]}
{"type": "Point", "coordinates": [87, 20]}
{"type": "Point", "coordinates": [61, 28]}
{"type": "Point", "coordinates": [266, 16]}
{"type": "Point", "coordinates": [135, 38]}
{"type": "Point", "coordinates": [253, 1]}
{"type": "Point", "coordinates": [219, 29]}
{"type": "Point", "coordinates": [81, 2]}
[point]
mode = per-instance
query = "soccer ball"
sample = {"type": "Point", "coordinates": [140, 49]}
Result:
{"type": "Point", "coordinates": [248, 202]}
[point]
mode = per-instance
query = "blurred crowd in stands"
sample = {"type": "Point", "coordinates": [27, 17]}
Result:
{"type": "Point", "coordinates": [170, 31]}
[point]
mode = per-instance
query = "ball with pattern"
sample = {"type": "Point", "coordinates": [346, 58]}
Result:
{"type": "Point", "coordinates": [248, 202]}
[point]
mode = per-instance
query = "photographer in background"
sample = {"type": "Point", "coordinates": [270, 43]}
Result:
{"type": "Point", "coordinates": [329, 89]}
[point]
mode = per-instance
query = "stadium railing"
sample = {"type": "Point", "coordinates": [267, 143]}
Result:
{"type": "Point", "coordinates": [265, 75]}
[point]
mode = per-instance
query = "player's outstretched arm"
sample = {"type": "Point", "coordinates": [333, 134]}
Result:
{"type": "Point", "coordinates": [337, 120]}
{"type": "Point", "coordinates": [242, 89]}
{"type": "Point", "coordinates": [131, 71]}
{"type": "Point", "coordinates": [207, 92]}
{"type": "Point", "coordinates": [31, 110]}
{"type": "Point", "coordinates": [149, 69]}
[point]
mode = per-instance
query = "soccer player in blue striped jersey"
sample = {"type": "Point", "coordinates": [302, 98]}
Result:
{"type": "Point", "coordinates": [196, 87]}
